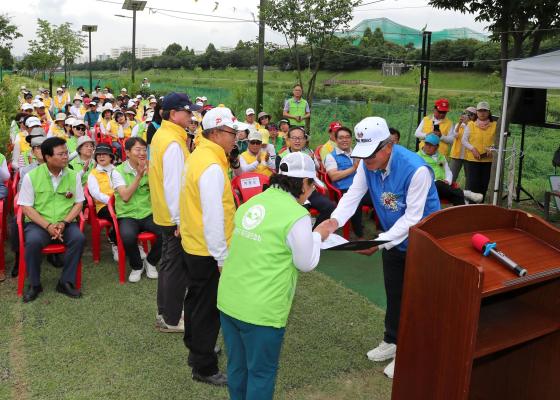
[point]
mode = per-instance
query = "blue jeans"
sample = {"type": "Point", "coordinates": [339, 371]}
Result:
{"type": "Point", "coordinates": [253, 352]}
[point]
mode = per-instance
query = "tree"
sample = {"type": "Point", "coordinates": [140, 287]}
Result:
{"type": "Point", "coordinates": [124, 60]}
{"type": "Point", "coordinates": [71, 44]}
{"type": "Point", "coordinates": [511, 21]}
{"type": "Point", "coordinates": [172, 49]}
{"type": "Point", "coordinates": [312, 21]}
{"type": "Point", "coordinates": [8, 33]}
{"type": "Point", "coordinates": [45, 51]}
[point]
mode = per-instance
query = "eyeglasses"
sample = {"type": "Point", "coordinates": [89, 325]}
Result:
{"type": "Point", "coordinates": [80, 128]}
{"type": "Point", "coordinates": [297, 139]}
{"type": "Point", "coordinates": [255, 142]}
{"type": "Point", "coordinates": [62, 154]}
{"type": "Point", "coordinates": [344, 137]}
{"type": "Point", "coordinates": [230, 132]}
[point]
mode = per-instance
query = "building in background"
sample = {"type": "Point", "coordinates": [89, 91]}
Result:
{"type": "Point", "coordinates": [141, 51]}
{"type": "Point", "coordinates": [102, 57]}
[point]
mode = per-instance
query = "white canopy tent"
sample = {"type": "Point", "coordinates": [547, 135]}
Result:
{"type": "Point", "coordinates": [539, 72]}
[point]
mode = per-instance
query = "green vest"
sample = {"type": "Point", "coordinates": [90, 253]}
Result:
{"type": "Point", "coordinates": [78, 166]}
{"type": "Point", "coordinates": [72, 144]}
{"type": "Point", "coordinates": [258, 280]}
{"type": "Point", "coordinates": [297, 109]}
{"type": "Point", "coordinates": [2, 159]}
{"type": "Point", "coordinates": [139, 205]}
{"type": "Point", "coordinates": [53, 205]}
{"type": "Point", "coordinates": [436, 165]}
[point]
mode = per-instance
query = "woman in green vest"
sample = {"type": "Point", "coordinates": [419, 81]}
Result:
{"type": "Point", "coordinates": [84, 163]}
{"type": "Point", "coordinates": [272, 240]}
{"type": "Point", "coordinates": [134, 209]}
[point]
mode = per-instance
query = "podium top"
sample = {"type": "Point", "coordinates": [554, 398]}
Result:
{"type": "Point", "coordinates": [527, 240]}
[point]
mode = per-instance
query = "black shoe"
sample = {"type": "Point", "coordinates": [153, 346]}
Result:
{"type": "Point", "coordinates": [218, 379]}
{"type": "Point", "coordinates": [56, 260]}
{"type": "Point", "coordinates": [68, 289]}
{"type": "Point", "coordinates": [15, 270]}
{"type": "Point", "coordinates": [32, 293]}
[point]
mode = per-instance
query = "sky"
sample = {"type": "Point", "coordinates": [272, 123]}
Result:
{"type": "Point", "coordinates": [158, 29]}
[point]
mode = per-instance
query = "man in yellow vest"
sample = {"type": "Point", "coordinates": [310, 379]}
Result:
{"type": "Point", "coordinates": [255, 158]}
{"type": "Point", "coordinates": [51, 197]}
{"type": "Point", "coordinates": [206, 215]}
{"type": "Point", "coordinates": [168, 153]}
{"type": "Point", "coordinates": [438, 124]}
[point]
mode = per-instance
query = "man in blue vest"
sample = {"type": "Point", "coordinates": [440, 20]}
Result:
{"type": "Point", "coordinates": [403, 192]}
{"type": "Point", "coordinates": [51, 197]}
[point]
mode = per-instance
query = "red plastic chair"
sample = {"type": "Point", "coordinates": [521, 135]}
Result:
{"type": "Point", "coordinates": [97, 225]}
{"type": "Point", "coordinates": [317, 154]}
{"type": "Point", "coordinates": [5, 210]}
{"type": "Point", "coordinates": [143, 237]}
{"type": "Point", "coordinates": [49, 249]}
{"type": "Point", "coordinates": [248, 185]}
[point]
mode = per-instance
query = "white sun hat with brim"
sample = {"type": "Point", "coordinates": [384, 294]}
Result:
{"type": "Point", "coordinates": [299, 165]}
{"type": "Point", "coordinates": [369, 134]}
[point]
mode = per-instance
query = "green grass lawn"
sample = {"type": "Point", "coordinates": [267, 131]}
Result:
{"type": "Point", "coordinates": [105, 346]}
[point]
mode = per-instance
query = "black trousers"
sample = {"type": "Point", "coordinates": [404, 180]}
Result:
{"type": "Point", "coordinates": [322, 204]}
{"type": "Point", "coordinates": [393, 275]}
{"type": "Point", "coordinates": [129, 229]}
{"type": "Point", "coordinates": [454, 195]}
{"type": "Point", "coordinates": [103, 213]}
{"type": "Point", "coordinates": [202, 319]}
{"type": "Point", "coordinates": [478, 176]}
{"type": "Point", "coordinates": [356, 219]}
{"type": "Point", "coordinates": [172, 279]}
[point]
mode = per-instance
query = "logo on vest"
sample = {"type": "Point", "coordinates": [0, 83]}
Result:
{"type": "Point", "coordinates": [253, 217]}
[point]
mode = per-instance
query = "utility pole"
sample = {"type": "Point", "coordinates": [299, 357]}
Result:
{"type": "Point", "coordinates": [89, 29]}
{"type": "Point", "coordinates": [134, 6]}
{"type": "Point", "coordinates": [424, 75]}
{"type": "Point", "coordinates": [260, 62]}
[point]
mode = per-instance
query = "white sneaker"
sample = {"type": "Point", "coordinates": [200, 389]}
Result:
{"type": "Point", "coordinates": [142, 252]}
{"type": "Point", "coordinates": [383, 352]}
{"type": "Point", "coordinates": [162, 326]}
{"type": "Point", "coordinates": [115, 251]}
{"type": "Point", "coordinates": [389, 370]}
{"type": "Point", "coordinates": [135, 275]}
{"type": "Point", "coordinates": [472, 196]}
{"type": "Point", "coordinates": [151, 271]}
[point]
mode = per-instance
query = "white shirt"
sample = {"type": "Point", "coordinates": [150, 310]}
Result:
{"type": "Point", "coordinates": [75, 111]}
{"type": "Point", "coordinates": [27, 193]}
{"type": "Point", "coordinates": [93, 184]}
{"type": "Point", "coordinates": [245, 167]}
{"type": "Point", "coordinates": [305, 244]}
{"type": "Point", "coordinates": [330, 163]}
{"type": "Point", "coordinates": [211, 187]}
{"type": "Point", "coordinates": [4, 172]}
{"type": "Point", "coordinates": [173, 162]}
{"type": "Point", "coordinates": [415, 200]}
{"type": "Point", "coordinates": [117, 179]}
{"type": "Point", "coordinates": [464, 140]}
{"type": "Point", "coordinates": [444, 138]}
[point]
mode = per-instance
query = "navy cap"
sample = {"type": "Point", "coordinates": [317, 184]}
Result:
{"type": "Point", "coordinates": [178, 101]}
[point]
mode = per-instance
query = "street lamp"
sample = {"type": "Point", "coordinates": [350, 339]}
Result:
{"type": "Point", "coordinates": [133, 5]}
{"type": "Point", "coordinates": [89, 29]}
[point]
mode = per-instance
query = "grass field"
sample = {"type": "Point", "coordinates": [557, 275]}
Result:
{"type": "Point", "coordinates": [105, 346]}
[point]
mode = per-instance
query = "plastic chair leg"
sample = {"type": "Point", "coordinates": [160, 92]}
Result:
{"type": "Point", "coordinates": [122, 264]}
{"type": "Point", "coordinates": [79, 275]}
{"type": "Point", "coordinates": [21, 274]}
{"type": "Point", "coordinates": [346, 231]}
{"type": "Point", "coordinates": [95, 244]}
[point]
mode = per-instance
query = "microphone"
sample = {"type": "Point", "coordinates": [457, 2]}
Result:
{"type": "Point", "coordinates": [483, 244]}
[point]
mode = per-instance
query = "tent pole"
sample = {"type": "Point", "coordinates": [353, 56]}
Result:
{"type": "Point", "coordinates": [497, 180]}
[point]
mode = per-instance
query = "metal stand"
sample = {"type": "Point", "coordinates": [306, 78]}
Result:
{"type": "Point", "coordinates": [424, 75]}
{"type": "Point", "coordinates": [519, 188]}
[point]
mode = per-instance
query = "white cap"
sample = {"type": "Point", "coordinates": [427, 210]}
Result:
{"type": "Point", "coordinates": [222, 116]}
{"type": "Point", "coordinates": [59, 89]}
{"type": "Point", "coordinates": [26, 106]}
{"type": "Point", "coordinates": [76, 97]}
{"type": "Point", "coordinates": [199, 103]}
{"type": "Point", "coordinates": [60, 117]}
{"type": "Point", "coordinates": [77, 122]}
{"type": "Point", "coordinates": [92, 103]}
{"type": "Point", "coordinates": [139, 97]}
{"type": "Point", "coordinates": [38, 97]}
{"type": "Point", "coordinates": [299, 165]}
{"type": "Point", "coordinates": [106, 107]}
{"type": "Point", "coordinates": [152, 100]}
{"type": "Point", "coordinates": [204, 98]}
{"type": "Point", "coordinates": [255, 135]}
{"type": "Point", "coordinates": [70, 121]}
{"type": "Point", "coordinates": [124, 90]}
{"type": "Point", "coordinates": [369, 132]}
{"type": "Point", "coordinates": [22, 87]}
{"type": "Point", "coordinates": [38, 104]}
{"type": "Point", "coordinates": [130, 104]}
{"type": "Point", "coordinates": [82, 140]}
{"type": "Point", "coordinates": [249, 111]}
{"type": "Point", "coordinates": [149, 116]}
{"type": "Point", "coordinates": [109, 96]}
{"type": "Point", "coordinates": [32, 121]}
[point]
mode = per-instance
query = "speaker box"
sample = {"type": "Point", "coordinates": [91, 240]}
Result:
{"type": "Point", "coordinates": [527, 106]}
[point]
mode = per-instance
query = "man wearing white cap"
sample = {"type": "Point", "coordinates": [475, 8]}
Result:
{"type": "Point", "coordinates": [250, 119]}
{"type": "Point", "coordinates": [206, 226]}
{"type": "Point", "coordinates": [21, 146]}
{"type": "Point", "coordinates": [255, 159]}
{"type": "Point", "coordinates": [77, 110]}
{"type": "Point", "coordinates": [403, 192]}
{"type": "Point", "coordinates": [41, 112]}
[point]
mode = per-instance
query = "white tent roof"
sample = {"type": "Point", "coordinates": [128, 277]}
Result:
{"type": "Point", "coordinates": [541, 72]}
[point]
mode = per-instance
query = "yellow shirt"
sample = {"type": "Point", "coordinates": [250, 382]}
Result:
{"type": "Point", "coordinates": [250, 158]}
{"type": "Point", "coordinates": [191, 226]}
{"type": "Point", "coordinates": [167, 133]}
{"type": "Point", "coordinates": [104, 182]}
{"type": "Point", "coordinates": [445, 127]}
{"type": "Point", "coordinates": [481, 139]}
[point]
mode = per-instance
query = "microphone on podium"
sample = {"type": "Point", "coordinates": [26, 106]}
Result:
{"type": "Point", "coordinates": [483, 244]}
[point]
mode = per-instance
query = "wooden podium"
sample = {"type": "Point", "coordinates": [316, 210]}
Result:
{"type": "Point", "coordinates": [470, 328]}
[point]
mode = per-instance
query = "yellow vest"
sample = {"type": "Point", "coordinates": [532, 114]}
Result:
{"type": "Point", "coordinates": [327, 149]}
{"type": "Point", "coordinates": [250, 158]}
{"type": "Point", "coordinates": [104, 182]}
{"type": "Point", "coordinates": [457, 145]}
{"type": "Point", "coordinates": [47, 102]}
{"type": "Point", "coordinates": [59, 104]}
{"type": "Point", "coordinates": [58, 131]}
{"type": "Point", "coordinates": [140, 114]}
{"type": "Point", "coordinates": [126, 131]}
{"type": "Point", "coordinates": [481, 140]}
{"type": "Point", "coordinates": [192, 229]}
{"type": "Point", "coordinates": [444, 127]}
{"type": "Point", "coordinates": [23, 145]}
{"type": "Point", "coordinates": [168, 133]}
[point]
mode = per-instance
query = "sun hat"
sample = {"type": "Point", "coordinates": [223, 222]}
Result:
{"type": "Point", "coordinates": [483, 105]}
{"type": "Point", "coordinates": [83, 140]}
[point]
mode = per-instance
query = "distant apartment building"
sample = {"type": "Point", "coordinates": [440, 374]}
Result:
{"type": "Point", "coordinates": [141, 51]}
{"type": "Point", "coordinates": [102, 57]}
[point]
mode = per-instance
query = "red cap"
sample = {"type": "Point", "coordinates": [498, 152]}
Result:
{"type": "Point", "coordinates": [478, 241]}
{"type": "Point", "coordinates": [442, 105]}
{"type": "Point", "coordinates": [334, 126]}
{"type": "Point", "coordinates": [87, 100]}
